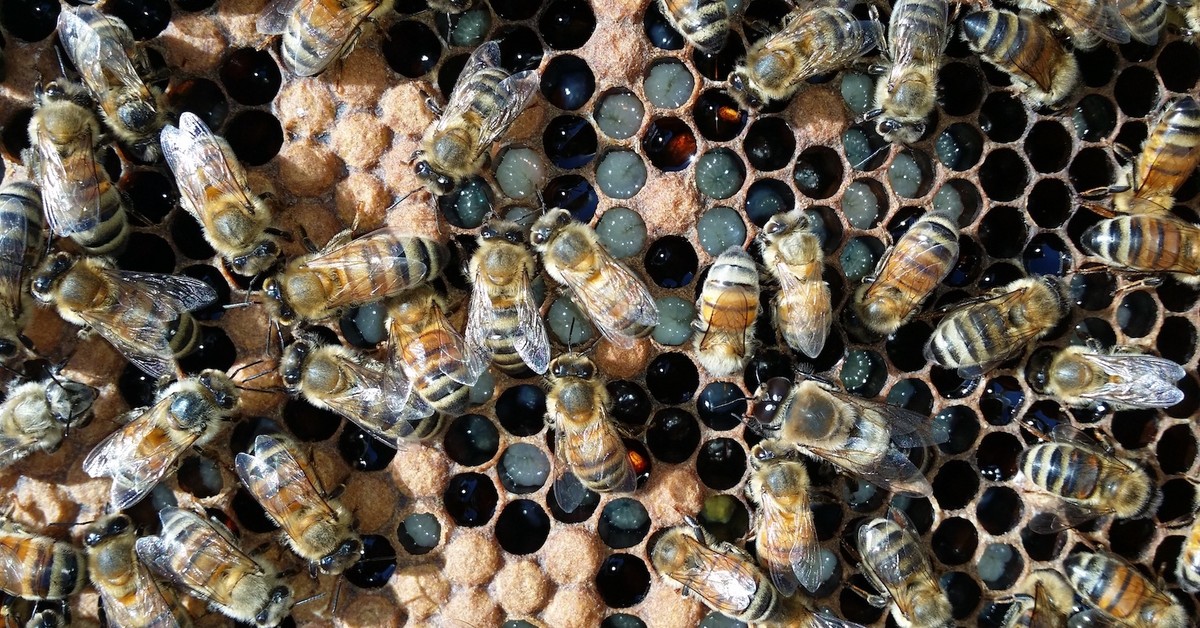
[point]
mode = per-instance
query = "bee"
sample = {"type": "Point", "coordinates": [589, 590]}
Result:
{"type": "Point", "coordinates": [350, 272]}
{"type": "Point", "coordinates": [803, 306]}
{"type": "Point", "coordinates": [586, 442]}
{"type": "Point", "coordinates": [911, 271]}
{"type": "Point", "coordinates": [36, 415]}
{"type": "Point", "coordinates": [102, 48]}
{"type": "Point", "coordinates": [1085, 22]}
{"type": "Point", "coordinates": [144, 315]}
{"type": "Point", "coordinates": [316, 526]}
{"type": "Point", "coordinates": [485, 102]}
{"type": "Point", "coordinates": [785, 538]}
{"type": "Point", "coordinates": [1168, 157]}
{"type": "Point", "coordinates": [426, 347]}
{"type": "Point", "coordinates": [317, 32]}
{"type": "Point", "coordinates": [1187, 568]}
{"type": "Point", "coordinates": [615, 300]}
{"type": "Point", "coordinates": [895, 564]}
{"type": "Point", "coordinates": [450, 6]}
{"type": "Point", "coordinates": [37, 567]}
{"type": "Point", "coordinates": [189, 413]}
{"type": "Point", "coordinates": [21, 248]}
{"type": "Point", "coordinates": [1047, 607]}
{"type": "Point", "coordinates": [1145, 19]}
{"type": "Point", "coordinates": [79, 199]}
{"type": "Point", "coordinates": [1122, 378]}
{"type": "Point", "coordinates": [812, 42]}
{"type": "Point", "coordinates": [1120, 593]}
{"type": "Point", "coordinates": [504, 323]}
{"type": "Point", "coordinates": [358, 387]}
{"type": "Point", "coordinates": [705, 23]}
{"type": "Point", "coordinates": [48, 618]}
{"type": "Point", "coordinates": [214, 191]}
{"type": "Point", "coordinates": [917, 36]}
{"type": "Point", "coordinates": [1152, 243]}
{"type": "Point", "coordinates": [1041, 69]}
{"type": "Point", "coordinates": [981, 333]}
{"type": "Point", "coordinates": [725, 313]}
{"type": "Point", "coordinates": [202, 558]}
{"type": "Point", "coordinates": [863, 438]}
{"type": "Point", "coordinates": [131, 596]}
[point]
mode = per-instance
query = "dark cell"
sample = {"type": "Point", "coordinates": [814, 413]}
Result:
{"type": "Point", "coordinates": [574, 194]}
{"type": "Point", "coordinates": [1003, 232]}
{"type": "Point", "coordinates": [1177, 339]}
{"type": "Point", "coordinates": [448, 74]}
{"type": "Point", "coordinates": [1048, 146]}
{"type": "Point", "coordinates": [567, 82]}
{"type": "Point", "coordinates": [1134, 429]}
{"type": "Point", "coordinates": [14, 134]}
{"type": "Point", "coordinates": [1047, 255]}
{"type": "Point", "coordinates": [671, 262]}
{"type": "Point", "coordinates": [419, 533]}
{"type": "Point", "coordinates": [1003, 117]}
{"type": "Point", "coordinates": [1137, 314]}
{"type": "Point", "coordinates": [962, 426]}
{"type": "Point", "coordinates": [721, 406]}
{"type": "Point", "coordinates": [949, 384]}
{"type": "Point", "coordinates": [521, 409]}
{"type": "Point", "coordinates": [460, 254]}
{"type": "Point", "coordinates": [1003, 175]}
{"type": "Point", "coordinates": [199, 476]}
{"type": "Point", "coordinates": [1179, 66]}
{"type": "Point", "coordinates": [147, 253]}
{"type": "Point", "coordinates": [151, 196]}
{"type": "Point", "coordinates": [470, 499]}
{"type": "Point", "coordinates": [623, 523]}
{"type": "Point", "coordinates": [959, 146]}
{"type": "Point", "coordinates": [765, 365]}
{"type": "Point", "coordinates": [250, 515]}
{"type": "Point", "coordinates": [1045, 416]}
{"type": "Point", "coordinates": [570, 142]}
{"type": "Point", "coordinates": [29, 20]}
{"type": "Point", "coordinates": [672, 435]}
{"type": "Point", "coordinates": [961, 89]}
{"type": "Point", "coordinates": [853, 606]}
{"type": "Point", "coordinates": [966, 269]}
{"type": "Point", "coordinates": [1177, 296]}
{"type": "Point", "coordinates": [818, 172]}
{"type": "Point", "coordinates": [362, 451]}
{"type": "Point", "coordinates": [1095, 117]}
{"type": "Point", "coordinates": [1178, 497]}
{"type": "Point", "coordinates": [411, 48]}
{"type": "Point", "coordinates": [1136, 91]}
{"type": "Point", "coordinates": [376, 566]}
{"type": "Point", "coordinates": [522, 527]}
{"type": "Point", "coordinates": [1093, 291]}
{"type": "Point", "coordinates": [244, 432]}
{"type": "Point", "coordinates": [1132, 134]}
{"type": "Point", "coordinates": [721, 463]}
{"type": "Point", "coordinates": [622, 620]}
{"type": "Point", "coordinates": [567, 24]}
{"type": "Point", "coordinates": [997, 456]}
{"type": "Point", "coordinates": [1129, 537]}
{"type": "Point", "coordinates": [214, 351]}
{"type": "Point", "coordinates": [255, 136]}
{"type": "Point", "coordinates": [1050, 203]}
{"type": "Point", "coordinates": [767, 197]}
{"type": "Point", "coordinates": [520, 49]}
{"type": "Point", "coordinates": [717, 116]}
{"type": "Point", "coordinates": [863, 373]}
{"type": "Point", "coordinates": [911, 394]}
{"type": "Point", "coordinates": [955, 485]}
{"type": "Point", "coordinates": [769, 144]}
{"type": "Point", "coordinates": [203, 98]}
{"type": "Point", "coordinates": [188, 236]}
{"type": "Point", "coordinates": [251, 76]}
{"type": "Point", "coordinates": [622, 580]}
{"type": "Point", "coordinates": [309, 423]}
{"type": "Point", "coordinates": [348, 324]}
{"type": "Point", "coordinates": [905, 347]}
{"type": "Point", "coordinates": [630, 403]}
{"type": "Point", "coordinates": [515, 10]}
{"type": "Point", "coordinates": [145, 18]}
{"type": "Point", "coordinates": [717, 65]}
{"type": "Point", "coordinates": [954, 541]}
{"type": "Point", "coordinates": [1096, 66]}
{"type": "Point", "coordinates": [472, 440]}
{"type": "Point", "coordinates": [1002, 400]}
{"type": "Point", "coordinates": [1041, 546]}
{"type": "Point", "coordinates": [659, 31]}
{"type": "Point", "coordinates": [1137, 51]}
{"type": "Point", "coordinates": [669, 144]}
{"type": "Point", "coordinates": [999, 509]}
{"type": "Point", "coordinates": [763, 17]}
{"type": "Point", "coordinates": [672, 378]}
{"type": "Point", "coordinates": [582, 512]}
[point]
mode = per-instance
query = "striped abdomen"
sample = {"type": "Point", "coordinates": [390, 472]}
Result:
{"type": "Point", "coordinates": [1019, 45]}
{"type": "Point", "coordinates": [41, 568]}
{"type": "Point", "coordinates": [20, 230]}
{"type": "Point", "coordinates": [727, 307]}
{"type": "Point", "coordinates": [110, 236]}
{"type": "Point", "coordinates": [592, 446]}
{"type": "Point", "coordinates": [1188, 570]}
{"type": "Point", "coordinates": [705, 23]}
{"type": "Point", "coordinates": [920, 260]}
{"type": "Point", "coordinates": [1145, 19]}
{"type": "Point", "coordinates": [919, 20]}
{"type": "Point", "coordinates": [502, 269]}
{"type": "Point", "coordinates": [882, 542]}
{"type": "Point", "coordinates": [1145, 242]}
{"type": "Point", "coordinates": [320, 31]}
{"type": "Point", "coordinates": [1168, 157]}
{"type": "Point", "coordinates": [431, 351]}
{"type": "Point", "coordinates": [152, 322]}
{"type": "Point", "coordinates": [1065, 471]}
{"type": "Point", "coordinates": [972, 336]}
{"type": "Point", "coordinates": [1116, 588]}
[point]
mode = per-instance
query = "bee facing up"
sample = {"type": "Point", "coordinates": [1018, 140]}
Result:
{"type": "Point", "coordinates": [132, 597]}
{"type": "Point", "coordinates": [803, 306]}
{"type": "Point", "coordinates": [1145, 19]}
{"type": "Point", "coordinates": [486, 100]}
{"type": "Point", "coordinates": [1187, 568]}
{"type": "Point", "coordinates": [813, 41]}
{"type": "Point", "coordinates": [1122, 378]}
{"type": "Point", "coordinates": [1045, 601]}
{"type": "Point", "coordinates": [22, 245]}
{"type": "Point", "coordinates": [617, 301]}
{"type": "Point", "coordinates": [80, 200]}
{"type": "Point", "coordinates": [144, 315]}
{"type": "Point", "coordinates": [203, 559]}
{"type": "Point", "coordinates": [1086, 22]}
{"type": "Point", "coordinates": [317, 527]}
{"type": "Point", "coordinates": [189, 413]}
{"type": "Point", "coordinates": [349, 272]}
{"type": "Point", "coordinates": [981, 333]}
{"type": "Point", "coordinates": [214, 191]}
{"type": "Point", "coordinates": [1041, 68]}
{"type": "Point", "coordinates": [893, 561]}
{"type": "Point", "coordinates": [1168, 157]}
{"type": "Point", "coordinates": [1120, 593]}
{"type": "Point", "coordinates": [36, 415]}
{"type": "Point", "coordinates": [917, 36]}
{"type": "Point", "coordinates": [37, 567]}
{"type": "Point", "coordinates": [918, 262]}
{"type": "Point", "coordinates": [863, 438]}
{"type": "Point", "coordinates": [316, 32]}
{"type": "Point", "coordinates": [704, 23]}
{"type": "Point", "coordinates": [504, 323]}
{"type": "Point", "coordinates": [725, 313]}
{"type": "Point", "coordinates": [1151, 243]}
{"type": "Point", "coordinates": [427, 348]}
{"type": "Point", "coordinates": [785, 536]}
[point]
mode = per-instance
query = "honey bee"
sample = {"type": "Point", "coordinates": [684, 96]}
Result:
{"type": "Point", "coordinates": [1153, 243]}
{"type": "Point", "coordinates": [1118, 592]}
{"type": "Point", "coordinates": [202, 558]}
{"type": "Point", "coordinates": [705, 23]}
{"type": "Point", "coordinates": [144, 315]}
{"type": "Point", "coordinates": [214, 191]}
{"type": "Point", "coordinates": [1086, 479]}
{"type": "Point", "coordinates": [917, 36]}
{"type": "Point", "coordinates": [1187, 568]}
{"type": "Point", "coordinates": [981, 333]}
{"type": "Point", "coordinates": [1047, 607]}
{"type": "Point", "coordinates": [813, 41]}
{"type": "Point", "coordinates": [317, 32]}
{"type": "Point", "coordinates": [911, 271]}
{"type": "Point", "coordinates": [36, 415]}
{"type": "Point", "coordinates": [586, 441]}
{"type": "Point", "coordinates": [102, 48]}
{"type": "Point", "coordinates": [450, 6]}
{"type": "Point", "coordinates": [615, 300]}
{"type": "Point", "coordinates": [894, 563]}
{"type": "Point", "coordinates": [1168, 157]}
{"type": "Point", "coordinates": [1041, 69]}
{"type": "Point", "coordinates": [80, 200]}
{"type": "Point", "coordinates": [21, 248]}
{"type": "Point", "coordinates": [1145, 19]}
{"type": "Point", "coordinates": [426, 347]}
{"type": "Point", "coordinates": [37, 567]}
{"type": "Point", "coordinates": [504, 323]}
{"type": "Point", "coordinates": [785, 538]}
{"type": "Point", "coordinates": [358, 387]}
{"type": "Point", "coordinates": [131, 596]}
{"type": "Point", "coordinates": [485, 102]}
{"type": "Point", "coordinates": [349, 272]}
{"type": "Point", "coordinates": [1085, 22]}
{"type": "Point", "coordinates": [725, 313]}
{"type": "Point", "coordinates": [189, 413]}
{"type": "Point", "coordinates": [316, 526]}
{"type": "Point", "coordinates": [863, 438]}
{"type": "Point", "coordinates": [803, 306]}
{"type": "Point", "coordinates": [1122, 378]}
{"type": "Point", "coordinates": [48, 618]}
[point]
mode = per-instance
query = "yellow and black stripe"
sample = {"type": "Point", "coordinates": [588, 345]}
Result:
{"type": "Point", "coordinates": [1146, 242]}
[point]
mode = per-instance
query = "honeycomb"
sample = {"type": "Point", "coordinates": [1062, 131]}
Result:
{"type": "Point", "coordinates": [334, 150]}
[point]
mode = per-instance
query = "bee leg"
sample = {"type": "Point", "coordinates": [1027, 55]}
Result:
{"type": "Point", "coordinates": [431, 104]}
{"type": "Point", "coordinates": [874, 599]}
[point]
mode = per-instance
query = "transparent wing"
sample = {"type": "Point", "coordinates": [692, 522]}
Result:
{"type": "Point", "coordinates": [569, 492]}
{"type": "Point", "coordinates": [514, 93]}
{"type": "Point", "coordinates": [894, 557]}
{"type": "Point", "coordinates": [184, 293]}
{"type": "Point", "coordinates": [1046, 613]}
{"type": "Point", "coordinates": [532, 343]}
{"type": "Point", "coordinates": [331, 29]}
{"type": "Point", "coordinates": [809, 311]}
{"type": "Point", "coordinates": [1062, 515]}
{"type": "Point", "coordinates": [623, 290]}
{"type": "Point", "coordinates": [856, 38]}
{"type": "Point", "coordinates": [103, 62]}
{"type": "Point", "coordinates": [210, 545]}
{"type": "Point", "coordinates": [1096, 16]}
{"type": "Point", "coordinates": [71, 201]}
{"type": "Point", "coordinates": [150, 601]}
{"type": "Point", "coordinates": [14, 447]}
{"type": "Point", "coordinates": [359, 261]}
{"type": "Point", "coordinates": [721, 580]}
{"type": "Point", "coordinates": [909, 41]}
{"type": "Point", "coordinates": [1136, 380]}
{"type": "Point", "coordinates": [14, 241]}
{"type": "Point", "coordinates": [381, 402]}
{"type": "Point", "coordinates": [600, 442]}
{"type": "Point", "coordinates": [138, 455]}
{"type": "Point", "coordinates": [730, 313]}
{"type": "Point", "coordinates": [201, 165]}
{"type": "Point", "coordinates": [794, 535]}
{"type": "Point", "coordinates": [460, 101]}
{"type": "Point", "coordinates": [481, 320]}
{"type": "Point", "coordinates": [1158, 168]}
{"type": "Point", "coordinates": [274, 18]}
{"type": "Point", "coordinates": [280, 484]}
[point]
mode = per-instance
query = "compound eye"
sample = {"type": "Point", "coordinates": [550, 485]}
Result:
{"type": "Point", "coordinates": [778, 389]}
{"type": "Point", "coordinates": [7, 348]}
{"type": "Point", "coordinates": [488, 233]}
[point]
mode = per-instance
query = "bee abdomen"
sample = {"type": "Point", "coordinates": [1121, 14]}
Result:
{"type": "Point", "coordinates": [968, 338]}
{"type": "Point", "coordinates": [502, 342]}
{"type": "Point", "coordinates": [931, 257]}
{"type": "Point", "coordinates": [1062, 470]}
{"type": "Point", "coordinates": [1014, 43]}
{"type": "Point", "coordinates": [112, 233]}
{"type": "Point", "coordinates": [484, 86]}
{"type": "Point", "coordinates": [1145, 19]}
{"type": "Point", "coordinates": [705, 22]}
{"type": "Point", "coordinates": [1106, 584]}
{"type": "Point", "coordinates": [1173, 142]}
{"type": "Point", "coordinates": [1146, 242]}
{"type": "Point", "coordinates": [433, 382]}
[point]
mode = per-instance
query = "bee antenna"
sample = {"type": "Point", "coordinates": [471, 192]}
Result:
{"type": "Point", "coordinates": [310, 598]}
{"type": "Point", "coordinates": [242, 304]}
{"type": "Point", "coordinates": [62, 67]}
{"type": "Point", "coordinates": [401, 200]}
{"type": "Point", "coordinates": [861, 163]}
{"type": "Point", "coordinates": [337, 593]}
{"type": "Point", "coordinates": [246, 366]}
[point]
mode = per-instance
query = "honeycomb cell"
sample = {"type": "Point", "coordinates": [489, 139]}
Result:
{"type": "Point", "coordinates": [520, 172]}
{"type": "Point", "coordinates": [863, 373]}
{"type": "Point", "coordinates": [1177, 339]}
{"type": "Point", "coordinates": [308, 423]}
{"type": "Point", "coordinates": [717, 116]}
{"type": "Point", "coordinates": [151, 196]}
{"type": "Point", "coordinates": [250, 76]}
{"type": "Point", "coordinates": [1132, 133]}
{"type": "Point", "coordinates": [1176, 296]}
{"type": "Point", "coordinates": [818, 172]}
{"type": "Point", "coordinates": [669, 144]}
{"type": "Point", "coordinates": [911, 394]}
{"type": "Point", "coordinates": [997, 456]}
{"type": "Point", "coordinates": [1003, 175]}
{"type": "Point", "coordinates": [955, 485]}
{"type": "Point", "coordinates": [568, 82]}
{"type": "Point", "coordinates": [622, 620]}
{"type": "Point", "coordinates": [862, 203]}
{"type": "Point", "coordinates": [623, 580]}
{"type": "Point", "coordinates": [523, 468]}
{"type": "Point", "coordinates": [962, 89]}
{"type": "Point", "coordinates": [904, 348]}
{"type": "Point", "coordinates": [468, 205]}
{"type": "Point", "coordinates": [419, 533]}
{"type": "Point", "coordinates": [721, 463]}
{"type": "Point", "coordinates": [522, 527]}
{"type": "Point", "coordinates": [574, 194]}
{"type": "Point", "coordinates": [201, 97]}
{"type": "Point", "coordinates": [1137, 314]}
{"type": "Point", "coordinates": [364, 326]}
{"type": "Point", "coordinates": [255, 136]}
{"type": "Point", "coordinates": [1179, 66]}
{"type": "Point", "coordinates": [672, 378]}
{"type": "Point", "coordinates": [582, 512]}
{"type": "Point", "coordinates": [659, 31]}
{"type": "Point", "coordinates": [448, 74]}
{"type": "Point", "coordinates": [860, 257]}
{"type": "Point", "coordinates": [619, 114]}
{"type": "Point", "coordinates": [910, 174]}
{"type": "Point", "coordinates": [147, 253]}
{"type": "Point", "coordinates": [1094, 118]}
{"type": "Point", "coordinates": [1178, 497]}
{"type": "Point", "coordinates": [362, 451]}
{"type": "Point", "coordinates": [214, 351]}
{"type": "Point", "coordinates": [467, 29]}
{"type": "Point", "coordinates": [568, 323]}
{"type": "Point", "coordinates": [471, 440]}
{"type": "Point", "coordinates": [999, 509]}
{"type": "Point", "coordinates": [672, 435]}
{"type": "Point", "coordinates": [959, 147]}
{"type": "Point", "coordinates": [1002, 400]}
{"type": "Point", "coordinates": [29, 20]}
{"type": "Point", "coordinates": [854, 608]}
{"type": "Point", "coordinates": [1093, 291]}
{"type": "Point", "coordinates": [769, 144]}
{"type": "Point", "coordinates": [1000, 566]}
{"type": "Point", "coordinates": [767, 197]}
{"type": "Point", "coordinates": [954, 541]}
{"type": "Point", "coordinates": [864, 148]}
{"type": "Point", "coordinates": [14, 134]}
{"type": "Point", "coordinates": [1042, 547]}
{"type": "Point", "coordinates": [675, 316]}
{"type": "Point", "coordinates": [520, 48]}
{"type": "Point", "coordinates": [199, 476]}
{"type": "Point", "coordinates": [1136, 91]}
{"type": "Point", "coordinates": [623, 523]}
{"type": "Point", "coordinates": [1003, 232]}
{"type": "Point", "coordinates": [857, 90]}
{"type": "Point", "coordinates": [188, 237]}
{"type": "Point", "coordinates": [725, 517]}
{"type": "Point", "coordinates": [620, 174]}
{"type": "Point", "coordinates": [668, 84]}
{"type": "Point", "coordinates": [630, 403]}
{"type": "Point", "coordinates": [569, 142]}
{"type": "Point", "coordinates": [721, 405]}
{"type": "Point", "coordinates": [376, 566]}
{"type": "Point", "coordinates": [470, 499]}
{"type": "Point", "coordinates": [1047, 254]}
{"type": "Point", "coordinates": [719, 173]}
{"type": "Point", "coordinates": [1129, 537]}
{"type": "Point", "coordinates": [145, 18]}
{"type": "Point", "coordinates": [1048, 146]}
{"type": "Point", "coordinates": [1096, 66]}
{"type": "Point", "coordinates": [716, 66]}
{"type": "Point", "coordinates": [1003, 117]}
{"type": "Point", "coordinates": [250, 515]}
{"type": "Point", "coordinates": [567, 24]}
{"type": "Point", "coordinates": [671, 262]}
{"type": "Point", "coordinates": [1050, 203]}
{"type": "Point", "coordinates": [720, 228]}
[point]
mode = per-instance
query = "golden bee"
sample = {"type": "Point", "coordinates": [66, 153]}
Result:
{"type": "Point", "coordinates": [504, 323]}
{"type": "Point", "coordinates": [1187, 568]}
{"type": "Point", "coordinates": [349, 272]}
{"type": "Point", "coordinates": [1044, 602]}
{"type": "Point", "coordinates": [1145, 19]}
{"type": "Point", "coordinates": [37, 567]}
{"type": "Point", "coordinates": [213, 189]}
{"type": "Point", "coordinates": [137, 456]}
{"type": "Point", "coordinates": [785, 536]}
{"type": "Point", "coordinates": [144, 315]}
{"type": "Point", "coordinates": [704, 23]}
{"type": "Point", "coordinates": [485, 102]}
{"type": "Point", "coordinates": [430, 352]}
{"type": "Point", "coordinates": [813, 41]}
{"type": "Point", "coordinates": [203, 559]}
{"type": "Point", "coordinates": [317, 527]}
{"type": "Point", "coordinates": [911, 271]}
{"type": "Point", "coordinates": [79, 199]}
{"type": "Point", "coordinates": [981, 333]}
{"type": "Point", "coordinates": [1121, 378]}
{"type": "Point", "coordinates": [863, 438]}
{"type": "Point", "coordinates": [22, 245]}
{"type": "Point", "coordinates": [917, 36]}
{"type": "Point", "coordinates": [317, 32]}
{"type": "Point", "coordinates": [36, 415]}
{"type": "Point", "coordinates": [1119, 593]}
{"type": "Point", "coordinates": [617, 301]}
{"type": "Point", "coordinates": [1147, 243]}
{"type": "Point", "coordinates": [131, 596]}
{"type": "Point", "coordinates": [725, 314]}
{"type": "Point", "coordinates": [1168, 157]}
{"type": "Point", "coordinates": [1086, 23]}
{"type": "Point", "coordinates": [803, 306]}
{"type": "Point", "coordinates": [1042, 69]}
{"type": "Point", "coordinates": [894, 563]}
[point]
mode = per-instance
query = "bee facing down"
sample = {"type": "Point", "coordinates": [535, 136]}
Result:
{"type": "Point", "coordinates": [317, 32]}
{"type": "Point", "coordinates": [725, 313]}
{"type": "Point", "coordinates": [131, 596]}
{"type": "Point", "coordinates": [803, 306]}
{"type": "Point", "coordinates": [1042, 69]}
{"type": "Point", "coordinates": [705, 23]}
{"type": "Point", "coordinates": [785, 534]}
{"type": "Point", "coordinates": [1122, 378]}
{"type": "Point", "coordinates": [36, 415]}
{"type": "Point", "coordinates": [918, 262]}
{"type": "Point", "coordinates": [917, 36]}
{"type": "Point", "coordinates": [22, 244]}
{"type": "Point", "coordinates": [895, 564]}
{"type": "Point", "coordinates": [427, 348]}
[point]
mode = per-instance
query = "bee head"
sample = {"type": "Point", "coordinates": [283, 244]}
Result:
{"type": "Point", "coordinates": [291, 367]}
{"type": "Point", "coordinates": [256, 260]}
{"type": "Point", "coordinates": [222, 389]}
{"type": "Point", "coordinates": [437, 182]}
{"type": "Point", "coordinates": [106, 528]}
{"type": "Point", "coordinates": [49, 275]}
{"type": "Point", "coordinates": [545, 226]}
{"type": "Point", "coordinates": [741, 88]}
{"type": "Point", "coordinates": [275, 300]}
{"type": "Point", "coordinates": [894, 130]}
{"type": "Point", "coordinates": [278, 603]}
{"type": "Point", "coordinates": [347, 553]}
{"type": "Point", "coordinates": [572, 365]}
{"type": "Point", "coordinates": [768, 399]}
{"type": "Point", "coordinates": [69, 400]}
{"type": "Point", "coordinates": [1038, 370]}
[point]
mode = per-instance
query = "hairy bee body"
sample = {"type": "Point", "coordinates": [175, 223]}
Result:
{"type": "Point", "coordinates": [1082, 376]}
{"type": "Point", "coordinates": [1187, 568]}
{"type": "Point", "coordinates": [1024, 48]}
{"type": "Point", "coordinates": [1151, 243]}
{"type": "Point", "coordinates": [132, 597]}
{"type": "Point", "coordinates": [37, 567]}
{"type": "Point", "coordinates": [724, 577]}
{"type": "Point", "coordinates": [785, 538]}
{"type": "Point", "coordinates": [918, 262]}
{"type": "Point", "coordinates": [705, 23]}
{"type": "Point", "coordinates": [917, 36]}
{"type": "Point", "coordinates": [1086, 23]}
{"type": "Point", "coordinates": [316, 32]}
{"type": "Point", "coordinates": [450, 6]}
{"type": "Point", "coordinates": [803, 306]}
{"type": "Point", "coordinates": [1122, 593]}
{"type": "Point", "coordinates": [894, 562]}
{"type": "Point", "coordinates": [1045, 601]}
{"type": "Point", "coordinates": [504, 324]}
{"type": "Point", "coordinates": [36, 415]}
{"type": "Point", "coordinates": [725, 314]}
{"type": "Point", "coordinates": [1168, 157]}
{"type": "Point", "coordinates": [1145, 19]}
{"type": "Point", "coordinates": [429, 350]}
{"type": "Point", "coordinates": [21, 249]}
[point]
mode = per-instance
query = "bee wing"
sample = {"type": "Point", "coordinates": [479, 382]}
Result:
{"type": "Point", "coordinates": [137, 455]}
{"type": "Point", "coordinates": [1046, 613]}
{"type": "Point", "coordinates": [719, 579]}
{"type": "Point", "coordinates": [14, 240]}
{"type": "Point", "coordinates": [569, 492]}
{"type": "Point", "coordinates": [183, 293]}
{"type": "Point", "coordinates": [279, 484]}
{"type": "Point", "coordinates": [907, 39]}
{"type": "Point", "coordinates": [274, 18]}
{"type": "Point", "coordinates": [1096, 16]}
{"type": "Point", "coordinates": [1154, 177]}
{"type": "Point", "coordinates": [729, 312]}
{"type": "Point", "coordinates": [70, 204]}
{"type": "Point", "coordinates": [1016, 339]}
{"type": "Point", "coordinates": [389, 398]}
{"type": "Point", "coordinates": [103, 62]}
{"type": "Point", "coordinates": [459, 103]}
{"type": "Point", "coordinates": [211, 546]}
{"type": "Point", "coordinates": [794, 533]}
{"type": "Point", "coordinates": [1138, 380]}
{"type": "Point", "coordinates": [808, 335]}
{"type": "Point", "coordinates": [515, 92]}
{"type": "Point", "coordinates": [1062, 515]}
{"type": "Point", "coordinates": [13, 448]}
{"type": "Point", "coordinates": [895, 550]}
{"type": "Point", "coordinates": [632, 293]}
{"type": "Point", "coordinates": [849, 30]}
{"type": "Point", "coordinates": [481, 320]}
{"type": "Point", "coordinates": [532, 343]}
{"type": "Point", "coordinates": [201, 165]}
{"type": "Point", "coordinates": [149, 601]}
